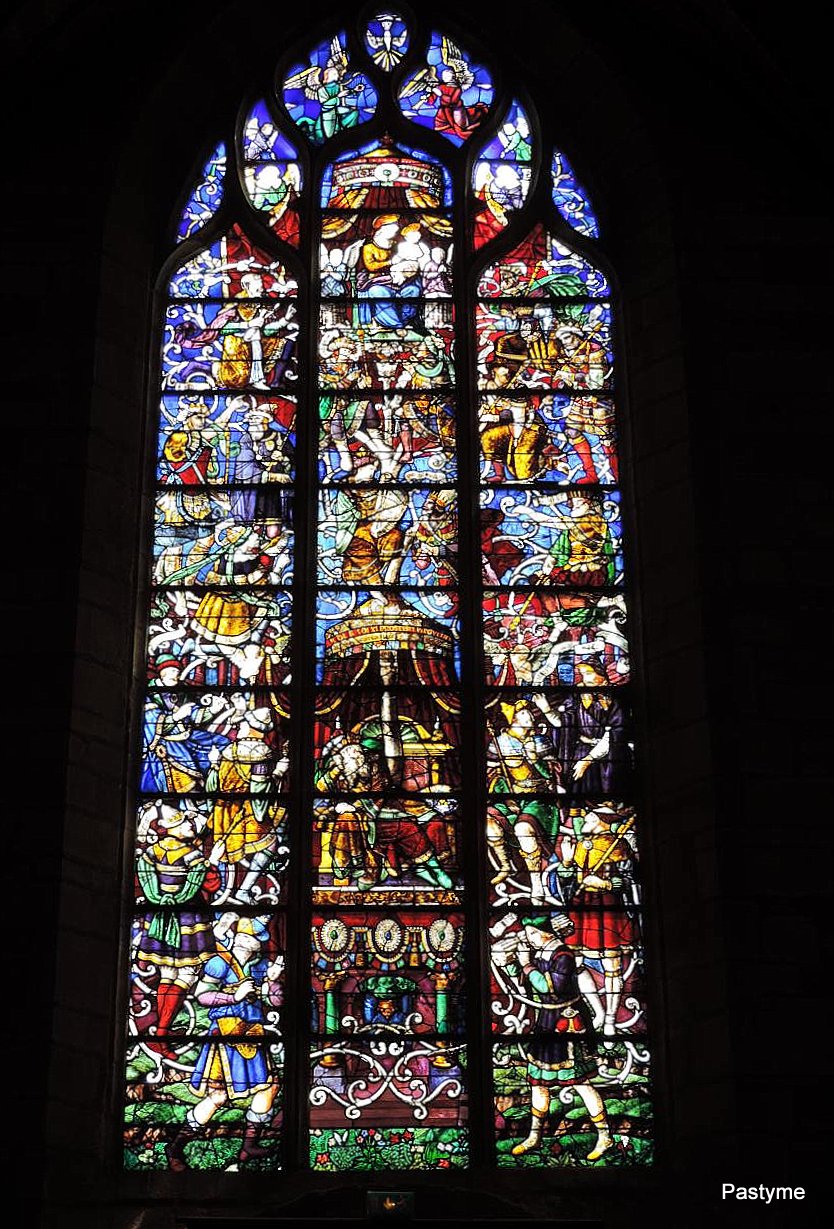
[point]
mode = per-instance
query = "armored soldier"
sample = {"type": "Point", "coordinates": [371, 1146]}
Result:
{"type": "Point", "coordinates": [602, 860]}
{"type": "Point", "coordinates": [560, 1052]}
{"type": "Point", "coordinates": [234, 1063]}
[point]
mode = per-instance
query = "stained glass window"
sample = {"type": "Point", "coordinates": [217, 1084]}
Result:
{"type": "Point", "coordinates": [385, 838]}
{"type": "Point", "coordinates": [502, 174]}
{"type": "Point", "coordinates": [205, 197]}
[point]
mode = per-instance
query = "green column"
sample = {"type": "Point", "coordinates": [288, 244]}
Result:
{"type": "Point", "coordinates": [331, 1009]}
{"type": "Point", "coordinates": [441, 1004]}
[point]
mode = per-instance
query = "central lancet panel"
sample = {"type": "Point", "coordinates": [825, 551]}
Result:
{"type": "Point", "coordinates": [388, 1054]}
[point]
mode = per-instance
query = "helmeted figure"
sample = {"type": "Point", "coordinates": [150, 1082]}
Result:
{"type": "Point", "coordinates": [518, 446]}
{"type": "Point", "coordinates": [601, 909]}
{"type": "Point", "coordinates": [523, 763]}
{"type": "Point", "coordinates": [523, 759]}
{"type": "Point", "coordinates": [583, 553]}
{"type": "Point", "coordinates": [561, 1049]}
{"type": "Point", "coordinates": [248, 766]}
{"type": "Point", "coordinates": [237, 986]}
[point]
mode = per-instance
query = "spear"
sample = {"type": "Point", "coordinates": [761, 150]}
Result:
{"type": "Point", "coordinates": [606, 852]}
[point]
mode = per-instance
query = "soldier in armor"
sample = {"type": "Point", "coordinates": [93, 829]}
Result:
{"type": "Point", "coordinates": [560, 1051]}
{"type": "Point", "coordinates": [249, 766]}
{"type": "Point", "coordinates": [601, 861]}
{"type": "Point", "coordinates": [234, 1063]}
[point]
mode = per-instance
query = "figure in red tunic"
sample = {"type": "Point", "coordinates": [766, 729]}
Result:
{"type": "Point", "coordinates": [602, 907]}
{"type": "Point", "coordinates": [453, 116]}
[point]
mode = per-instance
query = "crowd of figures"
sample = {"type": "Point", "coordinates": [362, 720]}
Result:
{"type": "Point", "coordinates": [205, 1051]}
{"type": "Point", "coordinates": [570, 1067]}
{"type": "Point", "coordinates": [387, 793]}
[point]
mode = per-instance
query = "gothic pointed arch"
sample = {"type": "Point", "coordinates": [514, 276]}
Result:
{"type": "Point", "coordinates": [386, 846]}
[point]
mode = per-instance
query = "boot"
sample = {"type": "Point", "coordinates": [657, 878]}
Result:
{"type": "Point", "coordinates": [407, 440]}
{"type": "Point", "coordinates": [588, 986]}
{"type": "Point", "coordinates": [537, 888]}
{"type": "Point", "coordinates": [176, 1149]}
{"type": "Point", "coordinates": [431, 870]}
{"type": "Point", "coordinates": [604, 1140]}
{"type": "Point", "coordinates": [163, 1048]}
{"type": "Point", "coordinates": [170, 997]}
{"type": "Point", "coordinates": [613, 992]}
{"type": "Point", "coordinates": [534, 1138]}
{"type": "Point", "coordinates": [505, 868]}
{"type": "Point", "coordinates": [251, 1149]}
{"type": "Point", "coordinates": [244, 895]}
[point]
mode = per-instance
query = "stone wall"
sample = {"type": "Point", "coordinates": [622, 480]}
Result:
{"type": "Point", "coordinates": [702, 151]}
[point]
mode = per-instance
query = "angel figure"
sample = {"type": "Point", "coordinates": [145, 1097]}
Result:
{"type": "Point", "coordinates": [274, 189]}
{"type": "Point", "coordinates": [259, 139]}
{"type": "Point", "coordinates": [446, 90]}
{"type": "Point", "coordinates": [331, 88]}
{"type": "Point", "coordinates": [500, 188]}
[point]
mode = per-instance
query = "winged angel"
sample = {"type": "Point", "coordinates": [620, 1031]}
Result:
{"type": "Point", "coordinates": [334, 89]}
{"type": "Point", "coordinates": [445, 90]}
